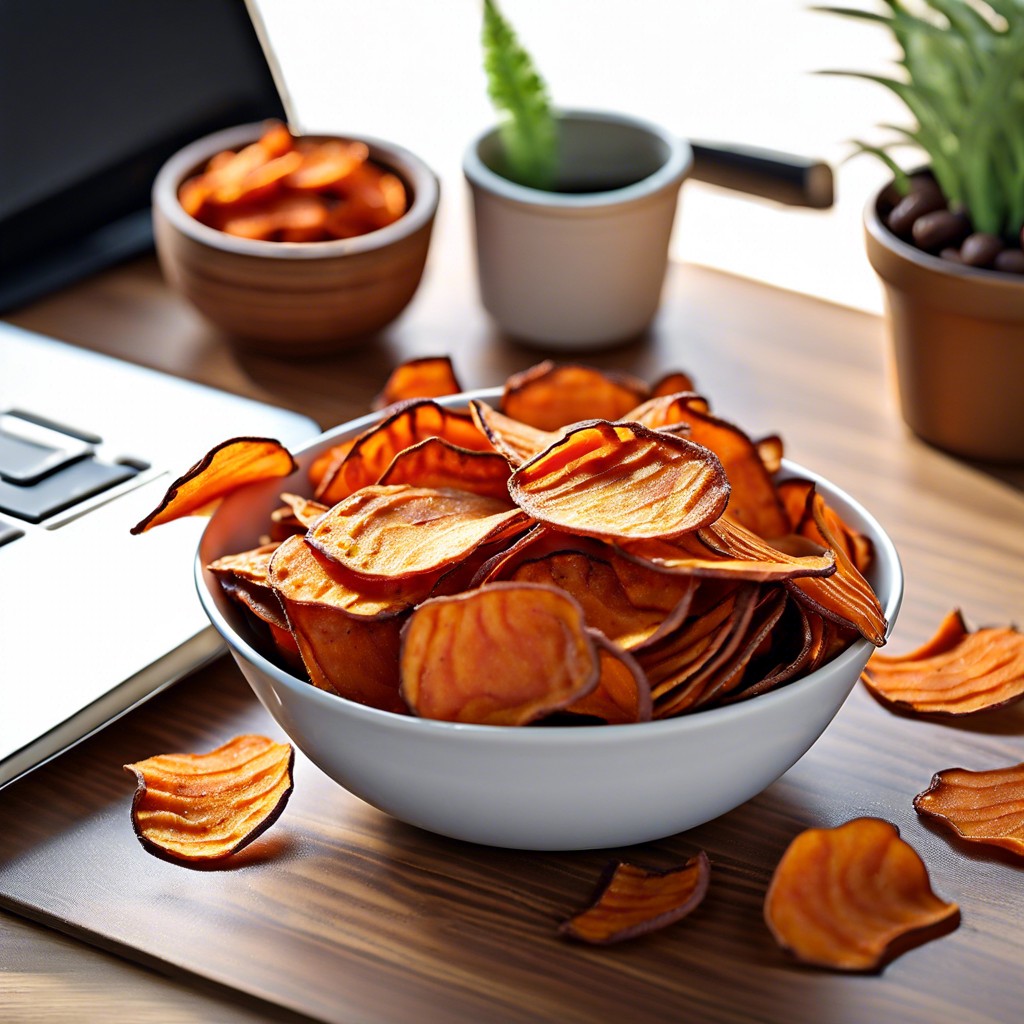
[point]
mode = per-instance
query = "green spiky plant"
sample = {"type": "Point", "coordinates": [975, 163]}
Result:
{"type": "Point", "coordinates": [963, 83]}
{"type": "Point", "coordinates": [528, 128]}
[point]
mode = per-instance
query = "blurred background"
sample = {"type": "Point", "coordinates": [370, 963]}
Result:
{"type": "Point", "coordinates": [740, 71]}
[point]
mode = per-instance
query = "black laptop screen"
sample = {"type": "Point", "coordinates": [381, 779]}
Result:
{"type": "Point", "coordinates": [95, 95]}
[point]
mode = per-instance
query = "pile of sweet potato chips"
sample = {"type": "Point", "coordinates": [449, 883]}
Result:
{"type": "Point", "coordinates": [592, 550]}
{"type": "Point", "coordinates": [286, 189]}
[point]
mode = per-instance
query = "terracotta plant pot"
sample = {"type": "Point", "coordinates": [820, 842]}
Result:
{"type": "Point", "coordinates": [958, 339]}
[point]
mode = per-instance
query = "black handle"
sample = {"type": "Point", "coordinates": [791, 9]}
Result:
{"type": "Point", "coordinates": [782, 177]}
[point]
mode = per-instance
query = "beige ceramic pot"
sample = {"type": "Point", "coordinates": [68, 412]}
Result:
{"type": "Point", "coordinates": [580, 267]}
{"type": "Point", "coordinates": [294, 298]}
{"type": "Point", "coordinates": [958, 340]}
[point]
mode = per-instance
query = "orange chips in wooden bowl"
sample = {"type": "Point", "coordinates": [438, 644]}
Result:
{"type": "Point", "coordinates": [507, 565]}
{"type": "Point", "coordinates": [854, 896]}
{"type": "Point", "coordinates": [286, 189]}
{"type": "Point", "coordinates": [199, 808]}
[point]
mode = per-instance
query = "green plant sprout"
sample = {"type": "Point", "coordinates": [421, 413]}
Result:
{"type": "Point", "coordinates": [528, 131]}
{"type": "Point", "coordinates": [964, 86]}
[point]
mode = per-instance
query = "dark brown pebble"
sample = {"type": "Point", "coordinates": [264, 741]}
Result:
{"type": "Point", "coordinates": [951, 254]}
{"type": "Point", "coordinates": [911, 206]}
{"type": "Point", "coordinates": [939, 229]}
{"type": "Point", "coordinates": [981, 249]}
{"type": "Point", "coordinates": [1010, 261]}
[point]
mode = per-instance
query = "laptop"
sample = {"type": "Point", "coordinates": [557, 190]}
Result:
{"type": "Point", "coordinates": [93, 620]}
{"type": "Point", "coordinates": [93, 98]}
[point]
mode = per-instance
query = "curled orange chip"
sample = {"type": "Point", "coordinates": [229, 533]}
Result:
{"type": "Point", "coordinates": [622, 694]}
{"type": "Point", "coordinates": [505, 654]}
{"type": "Point", "coordinates": [956, 673]}
{"type": "Point", "coordinates": [853, 897]}
{"type": "Point", "coordinates": [440, 464]}
{"type": "Point", "coordinates": [428, 377]}
{"type": "Point", "coordinates": [629, 605]}
{"type": "Point", "coordinates": [622, 480]}
{"type": "Point", "coordinates": [518, 442]}
{"type": "Point", "coordinates": [393, 532]}
{"type": "Point", "coordinates": [672, 383]}
{"type": "Point", "coordinates": [372, 452]}
{"type": "Point", "coordinates": [980, 807]}
{"type": "Point", "coordinates": [232, 464]}
{"type": "Point", "coordinates": [296, 515]}
{"type": "Point", "coordinates": [550, 396]}
{"type": "Point", "coordinates": [204, 807]}
{"type": "Point", "coordinates": [631, 900]}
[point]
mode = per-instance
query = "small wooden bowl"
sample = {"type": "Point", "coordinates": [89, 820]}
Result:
{"type": "Point", "coordinates": [294, 298]}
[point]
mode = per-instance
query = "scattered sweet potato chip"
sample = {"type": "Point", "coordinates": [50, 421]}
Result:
{"type": "Point", "coordinates": [394, 532]}
{"type": "Point", "coordinates": [957, 672]}
{"type": "Point", "coordinates": [372, 452]}
{"type": "Point", "coordinates": [439, 464]}
{"type": "Point", "coordinates": [550, 396]}
{"type": "Point", "coordinates": [622, 481]}
{"type": "Point", "coordinates": [853, 897]}
{"type": "Point", "coordinates": [427, 377]}
{"type": "Point", "coordinates": [631, 900]}
{"type": "Point", "coordinates": [232, 464]}
{"type": "Point", "coordinates": [204, 807]}
{"type": "Point", "coordinates": [980, 807]}
{"type": "Point", "coordinates": [518, 442]}
{"type": "Point", "coordinates": [504, 654]}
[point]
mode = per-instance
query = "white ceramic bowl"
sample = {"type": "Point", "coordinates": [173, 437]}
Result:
{"type": "Point", "coordinates": [559, 788]}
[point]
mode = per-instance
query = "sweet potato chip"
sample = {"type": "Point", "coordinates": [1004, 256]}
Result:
{"type": "Point", "coordinates": [853, 897]}
{"type": "Point", "coordinates": [727, 551]}
{"type": "Point", "coordinates": [631, 900]}
{"type": "Point", "coordinates": [622, 481]}
{"type": "Point", "coordinates": [439, 464]}
{"type": "Point", "coordinates": [394, 532]}
{"type": "Point", "coordinates": [980, 807]}
{"type": "Point", "coordinates": [623, 694]}
{"type": "Point", "coordinates": [672, 383]}
{"type": "Point", "coordinates": [326, 164]}
{"type": "Point", "coordinates": [620, 600]}
{"type": "Point", "coordinates": [198, 808]}
{"type": "Point", "coordinates": [352, 657]}
{"type": "Point", "coordinates": [518, 442]}
{"type": "Point", "coordinates": [232, 464]}
{"type": "Point", "coordinates": [299, 573]}
{"type": "Point", "coordinates": [665, 412]}
{"type": "Point", "coordinates": [798, 499]}
{"type": "Point", "coordinates": [550, 396]}
{"type": "Point", "coordinates": [505, 654]}
{"type": "Point", "coordinates": [372, 452]}
{"type": "Point", "coordinates": [753, 502]}
{"type": "Point", "coordinates": [427, 377]}
{"type": "Point", "coordinates": [296, 515]}
{"type": "Point", "coordinates": [957, 672]}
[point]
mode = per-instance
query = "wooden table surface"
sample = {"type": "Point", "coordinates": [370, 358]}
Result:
{"type": "Point", "coordinates": [347, 915]}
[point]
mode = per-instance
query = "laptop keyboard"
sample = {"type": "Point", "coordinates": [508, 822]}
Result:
{"type": "Point", "coordinates": [47, 467]}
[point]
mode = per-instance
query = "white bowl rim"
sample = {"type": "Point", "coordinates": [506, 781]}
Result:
{"type": "Point", "coordinates": [672, 172]}
{"type": "Point", "coordinates": [885, 551]}
{"type": "Point", "coordinates": [426, 195]}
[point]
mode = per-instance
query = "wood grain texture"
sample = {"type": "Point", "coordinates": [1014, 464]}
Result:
{"type": "Point", "coordinates": [343, 914]}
